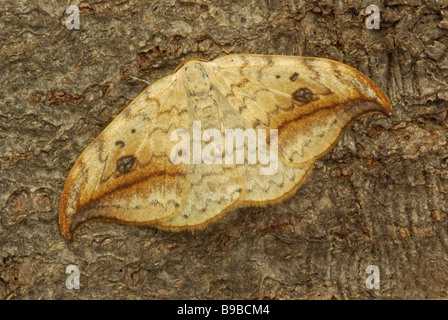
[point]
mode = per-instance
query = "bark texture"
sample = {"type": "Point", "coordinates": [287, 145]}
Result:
{"type": "Point", "coordinates": [379, 198]}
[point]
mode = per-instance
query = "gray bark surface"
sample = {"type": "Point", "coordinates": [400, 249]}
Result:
{"type": "Point", "coordinates": [379, 198]}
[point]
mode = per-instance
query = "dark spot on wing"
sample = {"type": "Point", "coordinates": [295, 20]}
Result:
{"type": "Point", "coordinates": [294, 76]}
{"type": "Point", "coordinates": [119, 143]}
{"type": "Point", "coordinates": [303, 95]}
{"type": "Point", "coordinates": [133, 131]}
{"type": "Point", "coordinates": [125, 163]}
{"type": "Point", "coordinates": [277, 76]}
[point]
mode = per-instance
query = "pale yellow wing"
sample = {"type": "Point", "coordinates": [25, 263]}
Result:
{"type": "Point", "coordinates": [261, 187]}
{"type": "Point", "coordinates": [125, 175]}
{"type": "Point", "coordinates": [309, 100]}
{"type": "Point", "coordinates": [214, 188]}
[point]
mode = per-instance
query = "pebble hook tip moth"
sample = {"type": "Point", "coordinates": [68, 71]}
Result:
{"type": "Point", "coordinates": [126, 175]}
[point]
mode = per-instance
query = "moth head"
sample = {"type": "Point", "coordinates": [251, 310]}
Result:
{"type": "Point", "coordinates": [197, 81]}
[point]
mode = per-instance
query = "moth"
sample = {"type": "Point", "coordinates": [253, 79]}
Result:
{"type": "Point", "coordinates": [128, 175]}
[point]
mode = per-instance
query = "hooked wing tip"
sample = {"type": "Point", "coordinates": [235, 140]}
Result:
{"type": "Point", "coordinates": [383, 101]}
{"type": "Point", "coordinates": [65, 230]}
{"type": "Point", "coordinates": [64, 224]}
{"type": "Point", "coordinates": [381, 98]}
{"type": "Point", "coordinates": [67, 211]}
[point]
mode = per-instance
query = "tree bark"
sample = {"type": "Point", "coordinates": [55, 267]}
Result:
{"type": "Point", "coordinates": [379, 198]}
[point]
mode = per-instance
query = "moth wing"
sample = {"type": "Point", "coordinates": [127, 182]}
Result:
{"type": "Point", "coordinates": [309, 100]}
{"type": "Point", "coordinates": [125, 175]}
{"type": "Point", "coordinates": [213, 188]}
{"type": "Point", "coordinates": [213, 191]}
{"type": "Point", "coordinates": [268, 189]}
{"type": "Point", "coordinates": [263, 183]}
